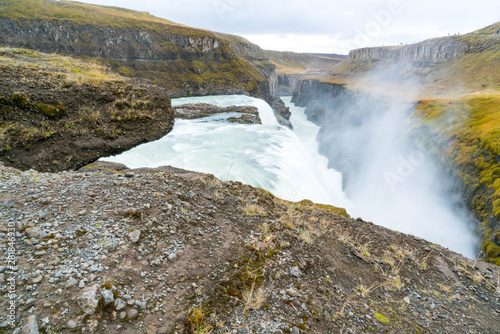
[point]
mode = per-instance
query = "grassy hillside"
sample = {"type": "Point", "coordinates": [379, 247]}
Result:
{"type": "Point", "coordinates": [493, 29]}
{"type": "Point", "coordinates": [465, 132]}
{"type": "Point", "coordinates": [81, 13]}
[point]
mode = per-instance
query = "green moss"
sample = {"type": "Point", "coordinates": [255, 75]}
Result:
{"type": "Point", "coordinates": [381, 318]}
{"type": "Point", "coordinates": [51, 111]}
{"type": "Point", "coordinates": [19, 100]}
{"type": "Point", "coordinates": [491, 249]}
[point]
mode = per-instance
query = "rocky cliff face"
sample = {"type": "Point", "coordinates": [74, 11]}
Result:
{"type": "Point", "coordinates": [434, 50]}
{"type": "Point", "coordinates": [292, 67]}
{"type": "Point", "coordinates": [55, 117]}
{"type": "Point", "coordinates": [287, 83]}
{"type": "Point", "coordinates": [186, 61]}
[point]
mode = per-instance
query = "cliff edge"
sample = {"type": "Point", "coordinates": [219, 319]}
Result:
{"type": "Point", "coordinates": [59, 113]}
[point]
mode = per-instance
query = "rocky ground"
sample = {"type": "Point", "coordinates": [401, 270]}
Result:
{"type": "Point", "coordinates": [249, 115]}
{"type": "Point", "coordinates": [111, 250]}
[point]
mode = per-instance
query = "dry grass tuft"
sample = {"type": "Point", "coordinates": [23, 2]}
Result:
{"type": "Point", "coordinates": [254, 210]}
{"type": "Point", "coordinates": [306, 236]}
{"type": "Point", "coordinates": [254, 298]}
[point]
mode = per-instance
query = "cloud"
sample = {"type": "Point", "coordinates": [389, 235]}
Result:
{"type": "Point", "coordinates": [414, 21]}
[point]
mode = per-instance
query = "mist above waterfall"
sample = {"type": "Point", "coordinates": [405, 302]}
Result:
{"type": "Point", "coordinates": [391, 179]}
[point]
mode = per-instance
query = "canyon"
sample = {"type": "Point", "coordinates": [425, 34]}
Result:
{"type": "Point", "coordinates": [97, 247]}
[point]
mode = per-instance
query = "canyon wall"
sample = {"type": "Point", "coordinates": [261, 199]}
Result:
{"type": "Point", "coordinates": [185, 61]}
{"type": "Point", "coordinates": [434, 50]}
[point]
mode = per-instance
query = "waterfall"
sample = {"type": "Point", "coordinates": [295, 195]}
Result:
{"type": "Point", "coordinates": [267, 155]}
{"type": "Point", "coordinates": [288, 164]}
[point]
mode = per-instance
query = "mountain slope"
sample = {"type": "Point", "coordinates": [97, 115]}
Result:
{"type": "Point", "coordinates": [186, 61]}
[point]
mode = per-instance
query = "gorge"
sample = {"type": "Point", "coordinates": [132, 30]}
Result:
{"type": "Point", "coordinates": [288, 163]}
{"type": "Point", "coordinates": [158, 178]}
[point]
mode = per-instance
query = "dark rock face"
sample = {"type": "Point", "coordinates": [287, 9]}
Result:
{"type": "Point", "coordinates": [335, 108]}
{"type": "Point", "coordinates": [92, 119]}
{"type": "Point", "coordinates": [186, 61]}
{"type": "Point", "coordinates": [287, 83]}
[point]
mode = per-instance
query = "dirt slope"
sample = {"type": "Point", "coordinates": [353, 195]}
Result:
{"type": "Point", "coordinates": [172, 251]}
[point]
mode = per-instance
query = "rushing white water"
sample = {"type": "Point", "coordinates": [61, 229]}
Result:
{"type": "Point", "coordinates": [268, 156]}
{"type": "Point", "coordinates": [287, 163]}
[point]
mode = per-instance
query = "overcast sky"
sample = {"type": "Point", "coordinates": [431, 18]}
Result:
{"type": "Point", "coordinates": [329, 26]}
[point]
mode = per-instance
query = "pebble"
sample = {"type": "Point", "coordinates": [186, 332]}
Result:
{"type": "Point", "coordinates": [30, 326]}
{"type": "Point", "coordinates": [35, 233]}
{"type": "Point", "coordinates": [134, 236]}
{"type": "Point", "coordinates": [295, 330]}
{"type": "Point", "coordinates": [108, 296]}
{"type": "Point", "coordinates": [406, 300]}
{"type": "Point", "coordinates": [37, 279]}
{"type": "Point", "coordinates": [172, 257]}
{"type": "Point", "coordinates": [292, 292]}
{"type": "Point", "coordinates": [71, 324]}
{"type": "Point", "coordinates": [132, 314]}
{"type": "Point", "coordinates": [294, 272]}
{"type": "Point", "coordinates": [88, 300]}
{"type": "Point", "coordinates": [119, 304]}
{"type": "Point", "coordinates": [71, 282]}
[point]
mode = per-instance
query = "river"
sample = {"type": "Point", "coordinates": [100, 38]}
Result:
{"type": "Point", "coordinates": [283, 161]}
